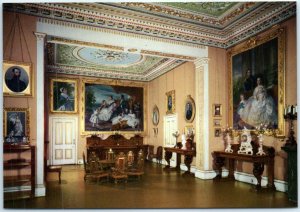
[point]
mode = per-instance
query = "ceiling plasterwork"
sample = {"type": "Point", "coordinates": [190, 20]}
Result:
{"type": "Point", "coordinates": [212, 24]}
{"type": "Point", "coordinates": [90, 61]}
{"type": "Point", "coordinates": [194, 24]}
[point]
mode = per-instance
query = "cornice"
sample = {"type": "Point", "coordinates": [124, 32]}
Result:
{"type": "Point", "coordinates": [102, 16]}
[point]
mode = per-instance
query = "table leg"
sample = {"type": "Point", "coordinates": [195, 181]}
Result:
{"type": "Point", "coordinates": [271, 184]}
{"type": "Point", "coordinates": [219, 163]}
{"type": "Point", "coordinates": [188, 159]}
{"type": "Point", "coordinates": [231, 169]}
{"type": "Point", "coordinates": [168, 156]}
{"type": "Point", "coordinates": [178, 161]}
{"type": "Point", "coordinates": [258, 169]}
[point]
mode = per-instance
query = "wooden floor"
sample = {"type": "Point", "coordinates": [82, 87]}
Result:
{"type": "Point", "coordinates": [157, 189]}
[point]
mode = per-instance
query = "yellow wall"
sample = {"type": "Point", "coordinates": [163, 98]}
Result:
{"type": "Point", "coordinates": [180, 79]}
{"type": "Point", "coordinates": [218, 94]}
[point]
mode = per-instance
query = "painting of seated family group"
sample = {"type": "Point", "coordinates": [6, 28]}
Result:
{"type": "Point", "coordinates": [112, 107]}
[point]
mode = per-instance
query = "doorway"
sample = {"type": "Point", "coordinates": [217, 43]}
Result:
{"type": "Point", "coordinates": [170, 127]}
{"type": "Point", "coordinates": [63, 133]}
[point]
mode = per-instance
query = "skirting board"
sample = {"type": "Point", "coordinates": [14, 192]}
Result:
{"type": "Point", "coordinates": [239, 176]}
{"type": "Point", "coordinates": [242, 177]}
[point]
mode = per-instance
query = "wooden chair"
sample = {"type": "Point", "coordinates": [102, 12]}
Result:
{"type": "Point", "coordinates": [93, 168]}
{"type": "Point", "coordinates": [119, 171]}
{"type": "Point", "coordinates": [137, 170]}
{"type": "Point", "coordinates": [158, 155]}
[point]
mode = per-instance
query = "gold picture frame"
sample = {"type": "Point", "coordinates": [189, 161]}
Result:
{"type": "Point", "coordinates": [272, 81]}
{"type": "Point", "coordinates": [217, 110]}
{"type": "Point", "coordinates": [189, 109]}
{"type": "Point", "coordinates": [117, 87]}
{"type": "Point", "coordinates": [17, 79]}
{"type": "Point", "coordinates": [170, 102]}
{"type": "Point", "coordinates": [217, 122]}
{"type": "Point", "coordinates": [217, 132]}
{"type": "Point", "coordinates": [63, 96]}
{"type": "Point", "coordinates": [16, 122]}
{"type": "Point", "coordinates": [155, 115]}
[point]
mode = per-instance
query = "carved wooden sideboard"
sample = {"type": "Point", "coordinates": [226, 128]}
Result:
{"type": "Point", "coordinates": [118, 143]}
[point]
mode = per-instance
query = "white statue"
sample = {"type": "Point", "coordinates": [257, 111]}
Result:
{"type": "Point", "coordinates": [228, 147]}
{"type": "Point", "coordinates": [260, 148]}
{"type": "Point", "coordinates": [246, 147]}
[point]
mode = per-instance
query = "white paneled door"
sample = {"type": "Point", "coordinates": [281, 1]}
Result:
{"type": "Point", "coordinates": [170, 127]}
{"type": "Point", "coordinates": [63, 140]}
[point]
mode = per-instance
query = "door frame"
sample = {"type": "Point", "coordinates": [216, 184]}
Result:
{"type": "Point", "coordinates": [50, 147]}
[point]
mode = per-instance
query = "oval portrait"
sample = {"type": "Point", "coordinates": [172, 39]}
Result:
{"type": "Point", "coordinates": [16, 79]}
{"type": "Point", "coordinates": [155, 116]}
{"type": "Point", "coordinates": [189, 109]}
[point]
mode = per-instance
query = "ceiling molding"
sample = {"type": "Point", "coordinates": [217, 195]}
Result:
{"type": "Point", "coordinates": [161, 22]}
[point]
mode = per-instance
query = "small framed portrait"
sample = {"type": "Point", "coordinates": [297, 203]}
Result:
{"type": "Point", "coordinates": [217, 110]}
{"type": "Point", "coordinates": [189, 109]}
{"type": "Point", "coordinates": [217, 122]}
{"type": "Point", "coordinates": [16, 124]}
{"type": "Point", "coordinates": [17, 79]}
{"type": "Point", "coordinates": [63, 96]}
{"type": "Point", "coordinates": [155, 116]}
{"type": "Point", "coordinates": [189, 130]}
{"type": "Point", "coordinates": [170, 102]}
{"type": "Point", "coordinates": [218, 132]}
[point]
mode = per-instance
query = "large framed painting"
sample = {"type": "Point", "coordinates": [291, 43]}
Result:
{"type": "Point", "coordinates": [63, 96]}
{"type": "Point", "coordinates": [109, 107]}
{"type": "Point", "coordinates": [257, 83]}
{"type": "Point", "coordinates": [17, 79]}
{"type": "Point", "coordinates": [16, 124]}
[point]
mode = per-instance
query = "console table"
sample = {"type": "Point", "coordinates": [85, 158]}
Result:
{"type": "Point", "coordinates": [188, 157]}
{"type": "Point", "coordinates": [258, 164]}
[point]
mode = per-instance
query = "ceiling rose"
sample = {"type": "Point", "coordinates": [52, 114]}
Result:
{"type": "Point", "coordinates": [106, 57]}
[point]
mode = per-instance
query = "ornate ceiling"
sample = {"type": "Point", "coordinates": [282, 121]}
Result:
{"type": "Point", "coordinates": [90, 61]}
{"type": "Point", "coordinates": [217, 24]}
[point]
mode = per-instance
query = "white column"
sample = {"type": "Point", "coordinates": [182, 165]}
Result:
{"type": "Point", "coordinates": [40, 186]}
{"type": "Point", "coordinates": [202, 119]}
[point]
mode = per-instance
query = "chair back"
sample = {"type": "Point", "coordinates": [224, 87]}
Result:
{"type": "Point", "coordinates": [120, 162]}
{"type": "Point", "coordinates": [140, 161]}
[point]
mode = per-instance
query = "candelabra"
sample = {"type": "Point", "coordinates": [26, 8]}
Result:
{"type": "Point", "coordinates": [290, 114]}
{"type": "Point", "coordinates": [261, 129]}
